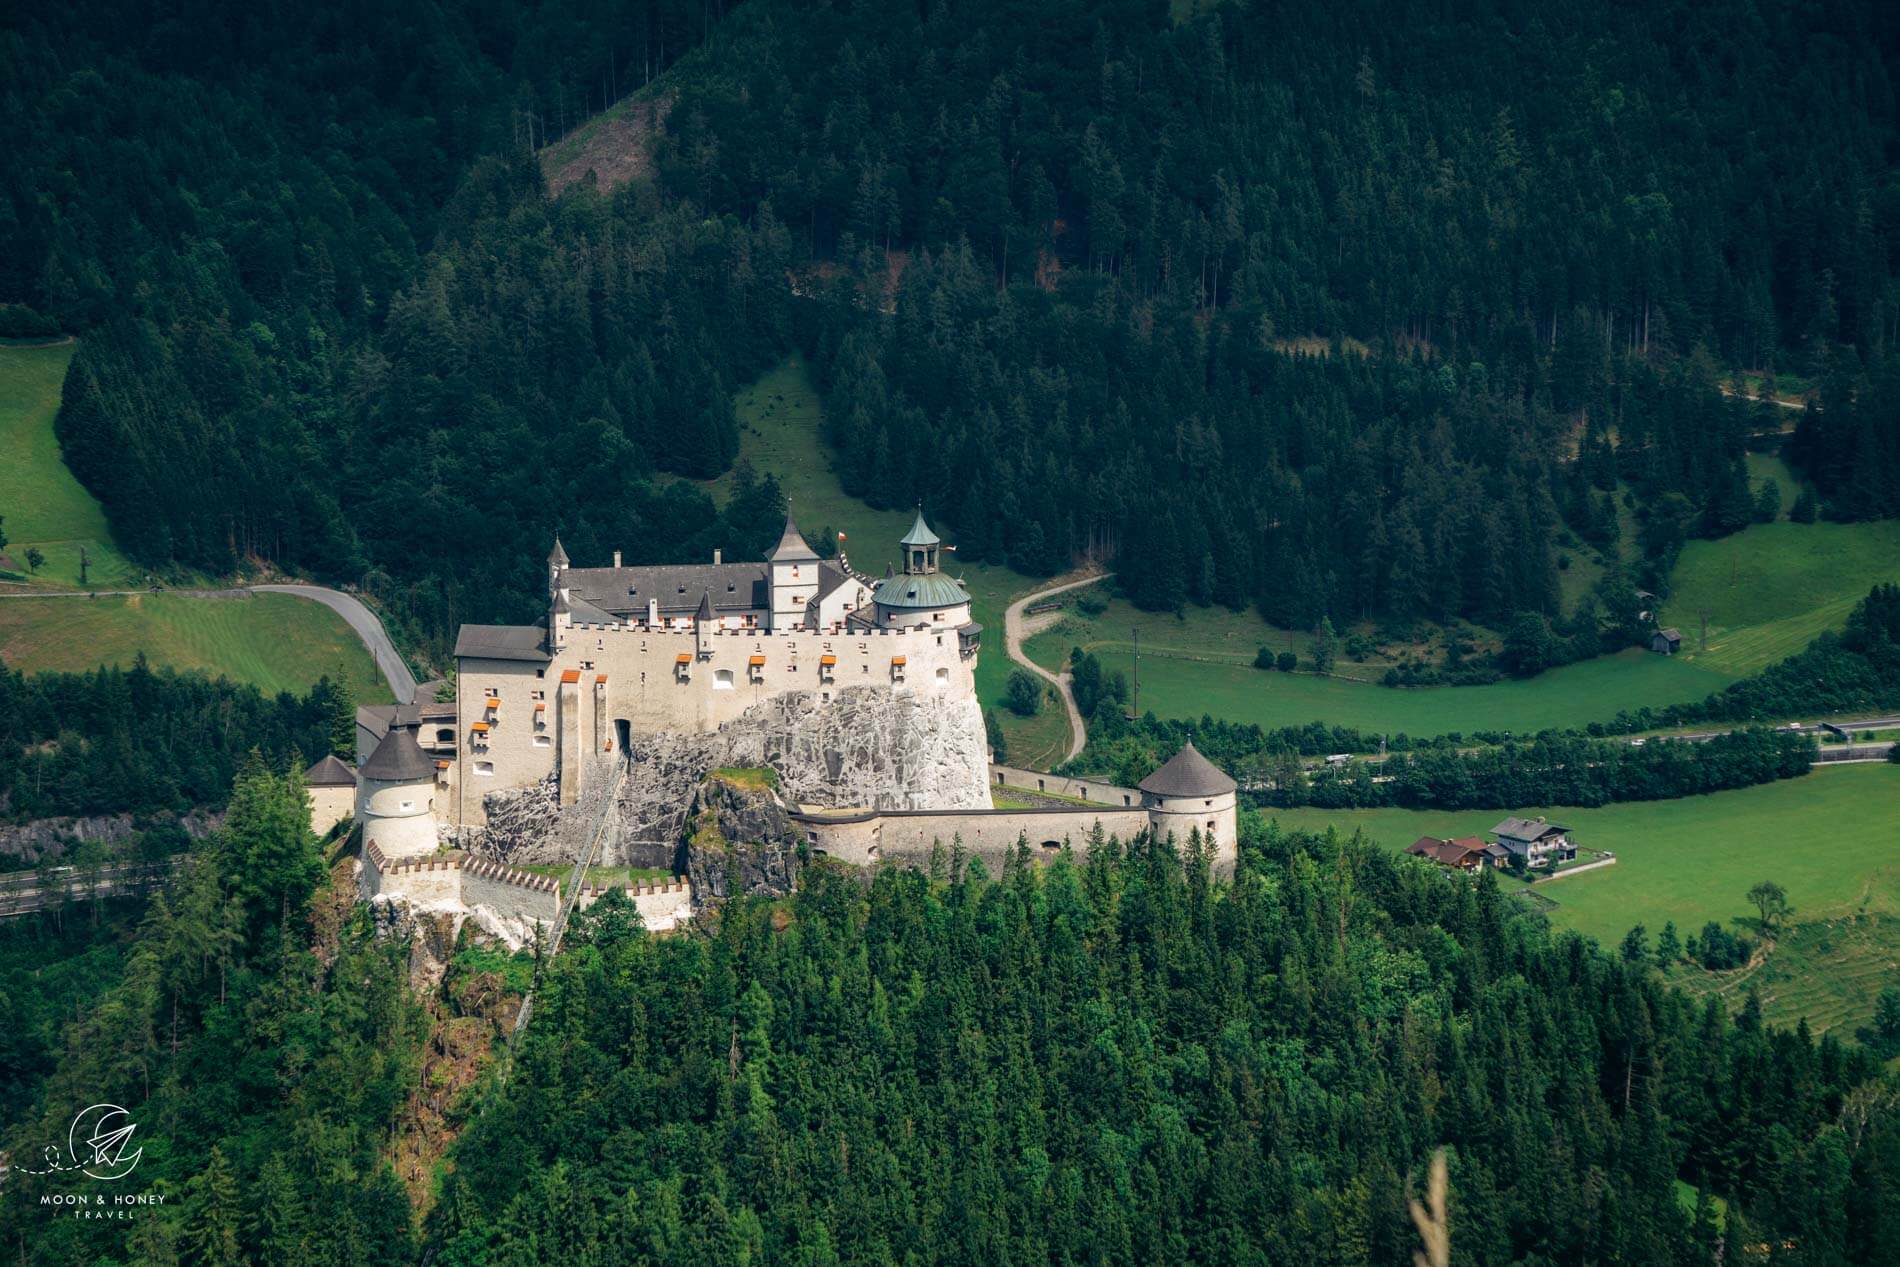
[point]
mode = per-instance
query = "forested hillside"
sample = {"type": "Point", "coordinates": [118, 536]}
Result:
{"type": "Point", "coordinates": [1115, 1062]}
{"type": "Point", "coordinates": [331, 319]}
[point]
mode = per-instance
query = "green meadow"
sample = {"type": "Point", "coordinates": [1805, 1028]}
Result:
{"type": "Point", "coordinates": [275, 642]}
{"type": "Point", "coordinates": [45, 507]}
{"type": "Point", "coordinates": [780, 421]}
{"type": "Point", "coordinates": [1592, 691]}
{"type": "Point", "coordinates": [1770, 589]}
{"type": "Point", "coordinates": [1831, 839]}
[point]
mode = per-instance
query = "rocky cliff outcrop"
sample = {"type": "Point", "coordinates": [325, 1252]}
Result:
{"type": "Point", "coordinates": [48, 839]}
{"type": "Point", "coordinates": [868, 746]}
{"type": "Point", "coordinates": [741, 840]}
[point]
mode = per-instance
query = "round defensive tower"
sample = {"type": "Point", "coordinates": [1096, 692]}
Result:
{"type": "Point", "coordinates": [1191, 792]}
{"type": "Point", "coordinates": [395, 795]}
{"type": "Point", "coordinates": [921, 594]}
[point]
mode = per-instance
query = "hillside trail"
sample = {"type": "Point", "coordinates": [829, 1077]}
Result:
{"type": "Point", "coordinates": [1018, 626]}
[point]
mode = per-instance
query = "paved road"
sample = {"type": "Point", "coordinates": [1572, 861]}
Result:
{"type": "Point", "coordinates": [402, 683]}
{"type": "Point", "coordinates": [1016, 628]}
{"type": "Point", "coordinates": [23, 892]}
{"type": "Point", "coordinates": [370, 629]}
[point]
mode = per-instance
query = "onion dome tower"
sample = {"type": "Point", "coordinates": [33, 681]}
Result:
{"type": "Point", "coordinates": [920, 594]}
{"type": "Point", "coordinates": [395, 794]}
{"type": "Point", "coordinates": [1192, 792]}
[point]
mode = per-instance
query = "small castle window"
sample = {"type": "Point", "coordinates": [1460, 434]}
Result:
{"type": "Point", "coordinates": [541, 741]}
{"type": "Point", "coordinates": [943, 676]}
{"type": "Point", "coordinates": [722, 679]}
{"type": "Point", "coordinates": [485, 767]}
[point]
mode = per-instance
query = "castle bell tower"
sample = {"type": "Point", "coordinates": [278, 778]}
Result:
{"type": "Point", "coordinates": [920, 594]}
{"type": "Point", "coordinates": [793, 572]}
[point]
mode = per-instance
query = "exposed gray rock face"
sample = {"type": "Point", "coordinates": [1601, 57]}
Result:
{"type": "Point", "coordinates": [870, 747]}
{"type": "Point", "coordinates": [741, 842]}
{"type": "Point", "coordinates": [47, 839]}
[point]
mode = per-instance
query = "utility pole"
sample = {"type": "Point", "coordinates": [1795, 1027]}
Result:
{"type": "Point", "coordinates": [1136, 630]}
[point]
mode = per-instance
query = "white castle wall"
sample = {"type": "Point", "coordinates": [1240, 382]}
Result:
{"type": "Point", "coordinates": [662, 907]}
{"type": "Point", "coordinates": [1099, 790]}
{"type": "Point", "coordinates": [651, 689]}
{"type": "Point", "coordinates": [330, 805]}
{"type": "Point", "coordinates": [911, 835]}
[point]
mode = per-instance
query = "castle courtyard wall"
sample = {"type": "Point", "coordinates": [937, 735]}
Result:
{"type": "Point", "coordinates": [909, 836]}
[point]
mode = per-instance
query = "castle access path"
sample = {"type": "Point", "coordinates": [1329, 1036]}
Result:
{"type": "Point", "coordinates": [1018, 625]}
{"type": "Point", "coordinates": [361, 620]}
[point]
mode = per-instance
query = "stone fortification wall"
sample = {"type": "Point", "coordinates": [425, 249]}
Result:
{"type": "Point", "coordinates": [1099, 790]}
{"type": "Point", "coordinates": [662, 907]}
{"type": "Point", "coordinates": [515, 897]}
{"type": "Point", "coordinates": [504, 901]}
{"type": "Point", "coordinates": [511, 722]}
{"type": "Point", "coordinates": [866, 839]}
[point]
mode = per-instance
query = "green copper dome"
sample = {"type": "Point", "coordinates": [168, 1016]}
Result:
{"type": "Point", "coordinates": [920, 533]}
{"type": "Point", "coordinates": [933, 590]}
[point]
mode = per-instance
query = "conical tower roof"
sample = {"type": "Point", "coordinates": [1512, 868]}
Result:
{"type": "Point", "coordinates": [398, 758]}
{"type": "Point", "coordinates": [920, 533]}
{"type": "Point", "coordinates": [704, 613]}
{"type": "Point", "coordinates": [791, 547]}
{"type": "Point", "coordinates": [329, 772]}
{"type": "Point", "coordinates": [557, 557]}
{"type": "Point", "coordinates": [1188, 773]}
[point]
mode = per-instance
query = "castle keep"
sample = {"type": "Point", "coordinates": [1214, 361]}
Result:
{"type": "Point", "coordinates": [632, 651]}
{"type": "Point", "coordinates": [860, 693]}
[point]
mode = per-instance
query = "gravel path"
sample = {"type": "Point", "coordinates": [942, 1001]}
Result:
{"type": "Point", "coordinates": [1017, 626]}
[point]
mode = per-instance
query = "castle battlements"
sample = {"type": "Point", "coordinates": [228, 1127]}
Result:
{"type": "Point", "coordinates": [484, 868]}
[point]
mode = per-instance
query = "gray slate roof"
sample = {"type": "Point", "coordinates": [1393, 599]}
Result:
{"type": "Point", "coordinates": [398, 758]}
{"type": "Point", "coordinates": [1674, 635]}
{"type": "Point", "coordinates": [624, 592]}
{"type": "Point", "coordinates": [557, 556]}
{"type": "Point", "coordinates": [502, 642]}
{"type": "Point", "coordinates": [329, 772]}
{"type": "Point", "coordinates": [792, 547]}
{"type": "Point", "coordinates": [1188, 773]}
{"type": "Point", "coordinates": [1527, 829]}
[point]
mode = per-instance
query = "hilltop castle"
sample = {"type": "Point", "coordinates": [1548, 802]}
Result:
{"type": "Point", "coordinates": [627, 652]}
{"type": "Point", "coordinates": [860, 692]}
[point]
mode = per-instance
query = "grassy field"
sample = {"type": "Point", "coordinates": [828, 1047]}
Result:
{"type": "Point", "coordinates": [1572, 695]}
{"type": "Point", "coordinates": [779, 419]}
{"type": "Point", "coordinates": [45, 507]}
{"type": "Point", "coordinates": [273, 641]}
{"type": "Point", "coordinates": [1692, 860]}
{"type": "Point", "coordinates": [1770, 589]}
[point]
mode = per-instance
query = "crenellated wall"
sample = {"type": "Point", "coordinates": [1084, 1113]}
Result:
{"type": "Point", "coordinates": [662, 907]}
{"type": "Point", "coordinates": [455, 879]}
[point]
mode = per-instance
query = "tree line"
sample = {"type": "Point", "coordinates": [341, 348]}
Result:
{"type": "Point", "coordinates": [1089, 249]}
{"type": "Point", "coordinates": [145, 741]}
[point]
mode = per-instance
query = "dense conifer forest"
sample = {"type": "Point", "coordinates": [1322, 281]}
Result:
{"type": "Point", "coordinates": [139, 741]}
{"type": "Point", "coordinates": [1112, 1059]}
{"type": "Point", "coordinates": [332, 319]}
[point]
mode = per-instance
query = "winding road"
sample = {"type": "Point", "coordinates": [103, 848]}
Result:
{"type": "Point", "coordinates": [402, 683]}
{"type": "Point", "coordinates": [367, 626]}
{"type": "Point", "coordinates": [1018, 626]}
